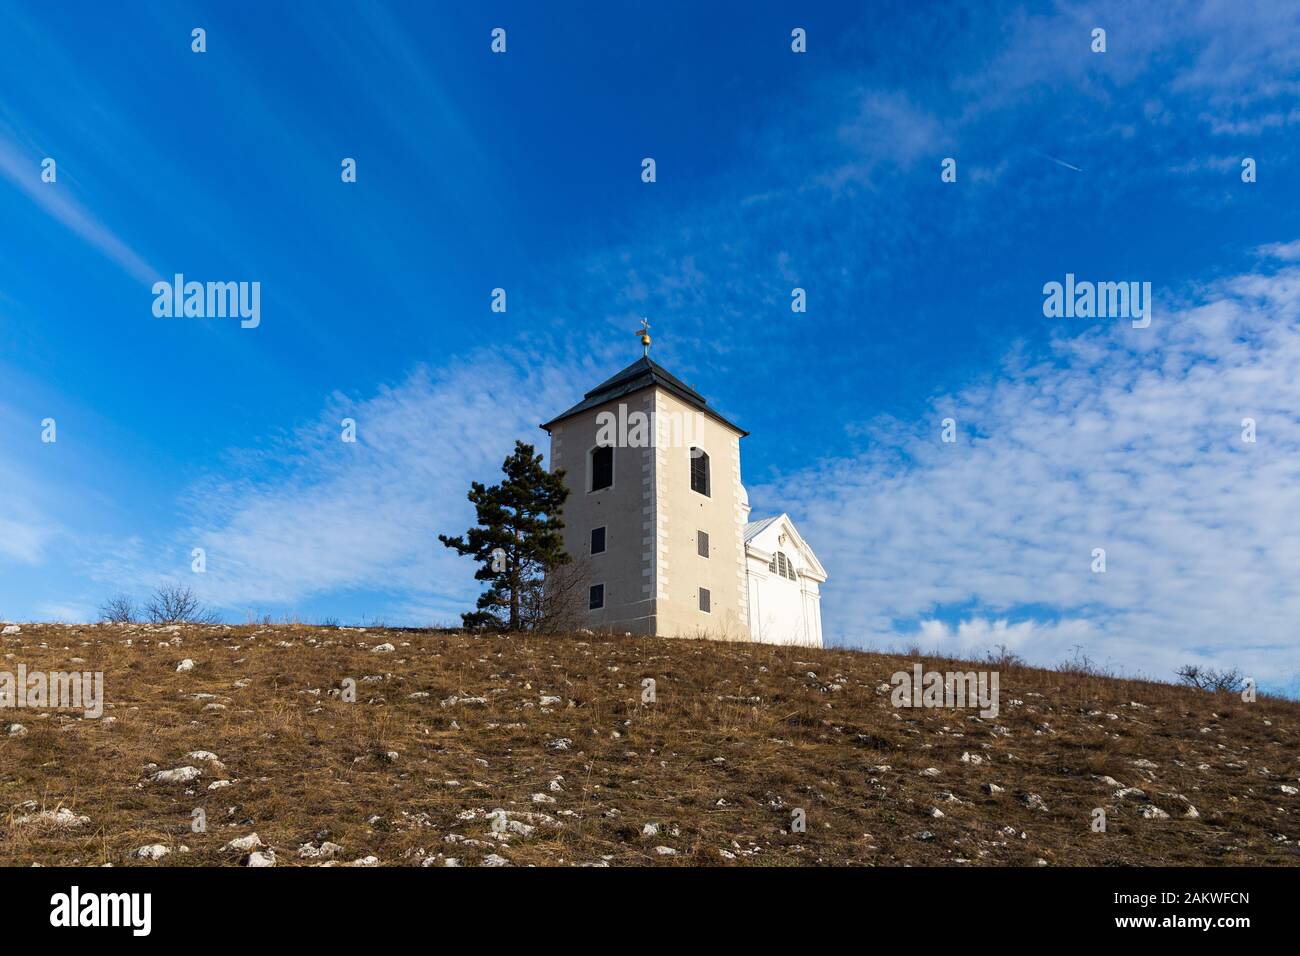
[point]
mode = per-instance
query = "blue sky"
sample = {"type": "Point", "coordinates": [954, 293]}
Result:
{"type": "Point", "coordinates": [774, 170]}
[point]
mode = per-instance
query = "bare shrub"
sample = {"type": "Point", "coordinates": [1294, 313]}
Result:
{"type": "Point", "coordinates": [1081, 665]}
{"type": "Point", "coordinates": [1003, 657]}
{"type": "Point", "coordinates": [119, 609]}
{"type": "Point", "coordinates": [177, 604]}
{"type": "Point", "coordinates": [1209, 679]}
{"type": "Point", "coordinates": [557, 604]}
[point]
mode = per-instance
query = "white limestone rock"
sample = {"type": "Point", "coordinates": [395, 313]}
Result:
{"type": "Point", "coordinates": [326, 851]}
{"type": "Point", "coordinates": [244, 844]}
{"type": "Point", "coordinates": [178, 775]}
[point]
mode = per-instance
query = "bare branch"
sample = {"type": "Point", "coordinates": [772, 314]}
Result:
{"type": "Point", "coordinates": [119, 609]}
{"type": "Point", "coordinates": [177, 604]}
{"type": "Point", "coordinates": [1209, 679]}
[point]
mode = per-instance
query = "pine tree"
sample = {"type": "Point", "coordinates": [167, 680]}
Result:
{"type": "Point", "coordinates": [517, 540]}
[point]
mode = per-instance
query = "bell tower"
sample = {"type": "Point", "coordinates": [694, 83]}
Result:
{"type": "Point", "coordinates": [656, 512]}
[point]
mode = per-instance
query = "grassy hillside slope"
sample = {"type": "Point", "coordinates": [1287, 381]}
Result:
{"type": "Point", "coordinates": [449, 729]}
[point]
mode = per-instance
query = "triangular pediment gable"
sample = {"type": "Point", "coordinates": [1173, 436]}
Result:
{"type": "Point", "coordinates": [763, 539]}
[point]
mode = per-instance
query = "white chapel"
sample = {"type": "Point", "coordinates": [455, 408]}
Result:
{"type": "Point", "coordinates": [658, 520]}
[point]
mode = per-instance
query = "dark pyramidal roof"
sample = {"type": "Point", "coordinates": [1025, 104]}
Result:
{"type": "Point", "coordinates": [642, 373]}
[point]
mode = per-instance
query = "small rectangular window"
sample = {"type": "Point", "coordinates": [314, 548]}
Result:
{"type": "Point", "coordinates": [597, 540]}
{"type": "Point", "coordinates": [702, 543]}
{"type": "Point", "coordinates": [596, 600]}
{"type": "Point", "coordinates": [705, 600]}
{"type": "Point", "coordinates": [699, 471]}
{"type": "Point", "coordinates": [602, 467]}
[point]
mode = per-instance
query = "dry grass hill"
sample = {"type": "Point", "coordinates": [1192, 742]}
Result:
{"type": "Point", "coordinates": [528, 750]}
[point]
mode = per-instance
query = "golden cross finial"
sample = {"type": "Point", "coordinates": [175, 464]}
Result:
{"type": "Point", "coordinates": [644, 333]}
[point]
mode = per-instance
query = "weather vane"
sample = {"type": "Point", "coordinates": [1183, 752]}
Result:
{"type": "Point", "coordinates": [644, 333]}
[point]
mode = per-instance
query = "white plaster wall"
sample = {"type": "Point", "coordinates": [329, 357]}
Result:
{"type": "Point", "coordinates": [781, 611]}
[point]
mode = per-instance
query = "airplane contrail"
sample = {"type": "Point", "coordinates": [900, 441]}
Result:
{"type": "Point", "coordinates": [1059, 162]}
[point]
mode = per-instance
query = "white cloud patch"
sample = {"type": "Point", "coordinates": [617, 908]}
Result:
{"type": "Point", "coordinates": [66, 613]}
{"type": "Point", "coordinates": [883, 127]}
{"type": "Point", "coordinates": [26, 529]}
{"type": "Point", "coordinates": [23, 534]}
{"type": "Point", "coordinates": [24, 171]}
{"type": "Point", "coordinates": [314, 515]}
{"type": "Point", "coordinates": [1124, 439]}
{"type": "Point", "coordinates": [973, 637]}
{"type": "Point", "coordinates": [1284, 251]}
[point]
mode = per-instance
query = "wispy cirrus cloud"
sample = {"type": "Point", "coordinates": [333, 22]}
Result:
{"type": "Point", "coordinates": [24, 532]}
{"type": "Point", "coordinates": [1121, 439]}
{"type": "Point", "coordinates": [1240, 60]}
{"type": "Point", "coordinates": [882, 128]}
{"type": "Point", "coordinates": [305, 514]}
{"type": "Point", "coordinates": [26, 528]}
{"type": "Point", "coordinates": [56, 200]}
